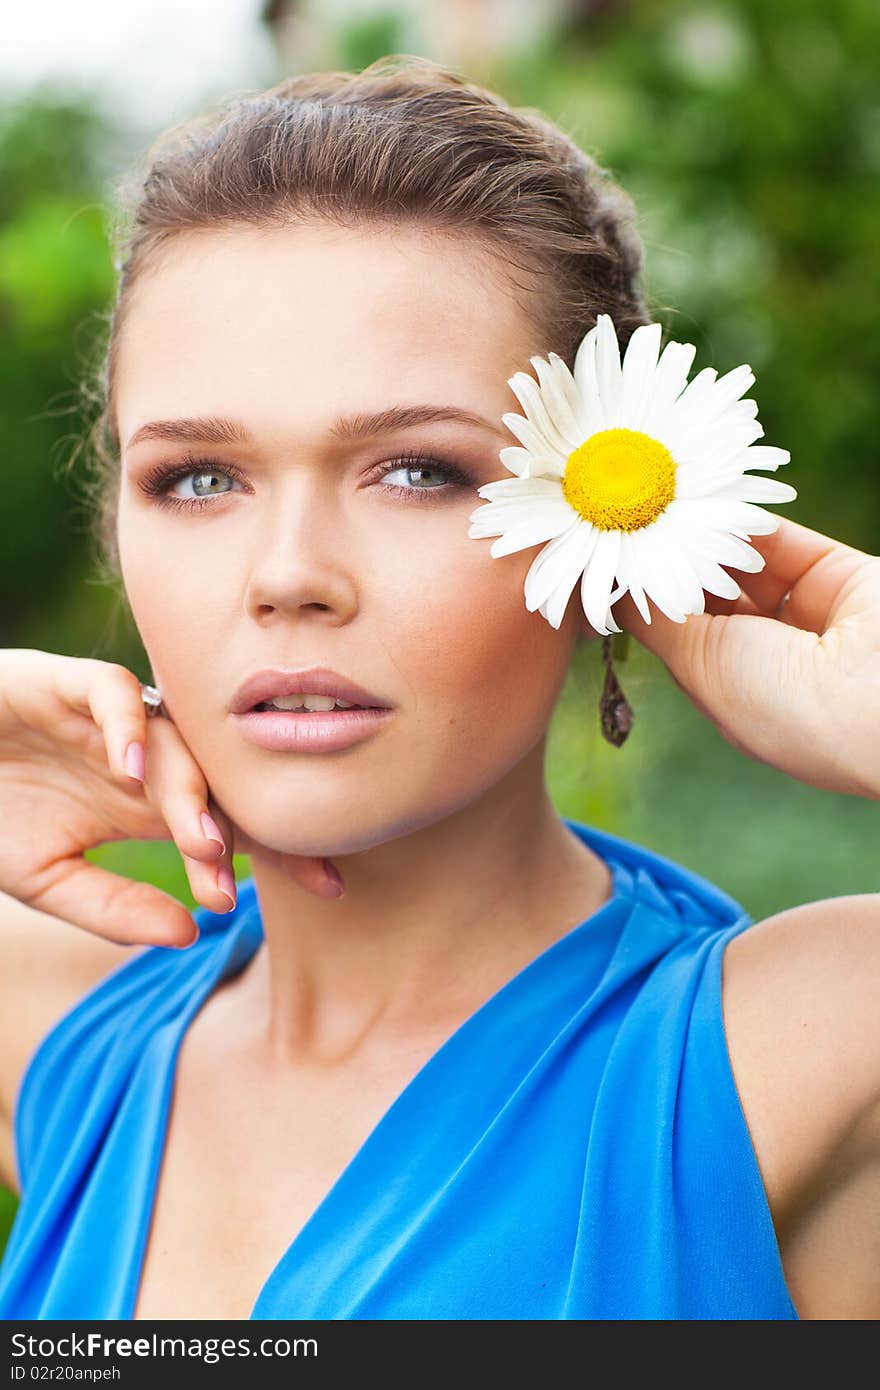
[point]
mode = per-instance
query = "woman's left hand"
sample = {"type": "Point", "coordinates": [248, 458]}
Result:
{"type": "Point", "coordinates": [793, 684]}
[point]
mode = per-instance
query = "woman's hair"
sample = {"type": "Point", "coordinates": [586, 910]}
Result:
{"type": "Point", "coordinates": [405, 140]}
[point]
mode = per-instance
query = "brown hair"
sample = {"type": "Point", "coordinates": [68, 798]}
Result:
{"type": "Point", "coordinates": [405, 139]}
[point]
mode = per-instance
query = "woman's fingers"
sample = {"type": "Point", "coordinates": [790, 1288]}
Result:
{"type": "Point", "coordinates": [115, 907]}
{"type": "Point", "coordinates": [172, 780]}
{"type": "Point", "coordinates": [111, 695]}
{"type": "Point", "coordinates": [176, 786]}
{"type": "Point", "coordinates": [808, 566]}
{"type": "Point", "coordinates": [313, 873]}
{"type": "Point", "coordinates": [173, 783]}
{"type": "Point", "coordinates": [803, 567]}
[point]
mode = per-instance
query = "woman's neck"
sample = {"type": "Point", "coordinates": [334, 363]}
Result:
{"type": "Point", "coordinates": [431, 922]}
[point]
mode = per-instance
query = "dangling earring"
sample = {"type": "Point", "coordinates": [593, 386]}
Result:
{"type": "Point", "coordinates": [615, 712]}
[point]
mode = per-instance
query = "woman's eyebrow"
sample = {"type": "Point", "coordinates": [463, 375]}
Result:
{"type": "Point", "coordinates": [218, 430]}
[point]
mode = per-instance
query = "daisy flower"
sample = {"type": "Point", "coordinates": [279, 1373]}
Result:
{"type": "Point", "coordinates": [634, 476]}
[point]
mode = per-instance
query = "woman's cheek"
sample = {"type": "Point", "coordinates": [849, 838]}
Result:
{"type": "Point", "coordinates": [475, 656]}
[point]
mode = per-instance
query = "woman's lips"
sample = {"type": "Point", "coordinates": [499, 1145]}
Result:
{"type": "Point", "coordinates": [309, 731]}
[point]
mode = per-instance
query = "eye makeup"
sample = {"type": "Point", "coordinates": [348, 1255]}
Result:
{"type": "Point", "coordinates": [158, 481]}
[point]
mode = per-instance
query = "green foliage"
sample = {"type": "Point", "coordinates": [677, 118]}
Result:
{"type": "Point", "coordinates": [8, 1205]}
{"type": "Point", "coordinates": [361, 41]}
{"type": "Point", "coordinates": [55, 278]}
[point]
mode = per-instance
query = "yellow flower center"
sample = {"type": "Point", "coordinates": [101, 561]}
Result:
{"type": "Point", "coordinates": [620, 480]}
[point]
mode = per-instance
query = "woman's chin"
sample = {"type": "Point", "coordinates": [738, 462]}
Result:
{"type": "Point", "coordinates": [267, 842]}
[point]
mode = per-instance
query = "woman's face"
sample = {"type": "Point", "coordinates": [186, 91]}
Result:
{"type": "Point", "coordinates": [314, 545]}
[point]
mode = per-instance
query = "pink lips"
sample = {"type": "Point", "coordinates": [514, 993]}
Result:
{"type": "Point", "coordinates": [307, 731]}
{"type": "Point", "coordinates": [312, 731]}
{"type": "Point", "coordinates": [314, 680]}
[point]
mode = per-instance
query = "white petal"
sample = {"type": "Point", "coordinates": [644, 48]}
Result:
{"type": "Point", "coordinates": [611, 624]}
{"type": "Point", "coordinates": [730, 515]}
{"type": "Point", "coordinates": [674, 538]}
{"type": "Point", "coordinates": [516, 510]}
{"type": "Point", "coordinates": [713, 577]}
{"type": "Point", "coordinates": [495, 517]}
{"type": "Point", "coordinates": [585, 368]}
{"type": "Point", "coordinates": [655, 575]}
{"type": "Point", "coordinates": [685, 412]}
{"type": "Point", "coordinates": [532, 399]}
{"type": "Point", "coordinates": [529, 435]}
{"type": "Point", "coordinates": [555, 605]}
{"type": "Point", "coordinates": [609, 376]}
{"type": "Point", "coordinates": [550, 567]}
{"type": "Point", "coordinates": [520, 487]}
{"type": "Point", "coordinates": [503, 517]}
{"type": "Point", "coordinates": [703, 411]}
{"type": "Point", "coordinates": [530, 533]}
{"type": "Point", "coordinates": [670, 379]}
{"type": "Point", "coordinates": [569, 388]}
{"type": "Point", "coordinates": [727, 549]}
{"type": "Point", "coordinates": [639, 365]}
{"type": "Point", "coordinates": [729, 388]}
{"type": "Point", "coordinates": [542, 526]}
{"type": "Point", "coordinates": [557, 402]}
{"type": "Point", "coordinates": [749, 489]}
{"type": "Point", "coordinates": [707, 479]}
{"type": "Point", "coordinates": [766, 456]}
{"type": "Point", "coordinates": [702, 443]}
{"type": "Point", "coordinates": [598, 580]}
{"type": "Point", "coordinates": [716, 445]}
{"type": "Point", "coordinates": [516, 460]}
{"type": "Point", "coordinates": [628, 572]}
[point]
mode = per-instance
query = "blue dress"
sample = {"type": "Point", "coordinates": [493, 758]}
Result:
{"type": "Point", "coordinates": [576, 1148]}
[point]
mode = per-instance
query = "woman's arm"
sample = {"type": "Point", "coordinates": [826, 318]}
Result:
{"type": "Point", "coordinates": [801, 992]}
{"type": "Point", "coordinates": [64, 725]}
{"type": "Point", "coordinates": [789, 673]}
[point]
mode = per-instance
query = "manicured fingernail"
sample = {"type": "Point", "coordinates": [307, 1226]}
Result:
{"type": "Point", "coordinates": [212, 830]}
{"type": "Point", "coordinates": [334, 875]}
{"type": "Point", "coordinates": [226, 884]}
{"type": "Point", "coordinates": [135, 761]}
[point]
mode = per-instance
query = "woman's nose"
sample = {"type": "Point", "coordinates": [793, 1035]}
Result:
{"type": "Point", "coordinates": [302, 559]}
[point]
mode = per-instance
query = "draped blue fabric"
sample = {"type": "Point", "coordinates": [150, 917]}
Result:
{"type": "Point", "coordinates": [576, 1148]}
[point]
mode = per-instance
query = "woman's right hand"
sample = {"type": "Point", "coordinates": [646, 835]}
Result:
{"type": "Point", "coordinates": [65, 725]}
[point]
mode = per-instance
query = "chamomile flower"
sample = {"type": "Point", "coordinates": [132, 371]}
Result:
{"type": "Point", "coordinates": [636, 478]}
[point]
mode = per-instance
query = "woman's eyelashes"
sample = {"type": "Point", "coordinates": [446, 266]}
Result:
{"type": "Point", "coordinates": [207, 473]}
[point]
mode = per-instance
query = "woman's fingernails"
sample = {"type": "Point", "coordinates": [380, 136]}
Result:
{"type": "Point", "coordinates": [212, 830]}
{"type": "Point", "coordinates": [226, 884]}
{"type": "Point", "coordinates": [335, 877]}
{"type": "Point", "coordinates": [135, 761]}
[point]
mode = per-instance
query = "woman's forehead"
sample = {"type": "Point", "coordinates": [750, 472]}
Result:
{"type": "Point", "coordinates": [315, 300]}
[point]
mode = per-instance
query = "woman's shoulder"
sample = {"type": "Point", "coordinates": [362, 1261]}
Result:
{"type": "Point", "coordinates": [800, 993]}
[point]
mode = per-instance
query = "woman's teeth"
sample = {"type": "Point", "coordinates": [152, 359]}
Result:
{"type": "Point", "coordinates": [309, 702]}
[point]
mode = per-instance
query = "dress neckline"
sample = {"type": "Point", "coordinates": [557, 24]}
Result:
{"type": "Point", "coordinates": [239, 943]}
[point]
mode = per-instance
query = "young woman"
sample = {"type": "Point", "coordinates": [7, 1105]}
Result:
{"type": "Point", "coordinates": [447, 1055]}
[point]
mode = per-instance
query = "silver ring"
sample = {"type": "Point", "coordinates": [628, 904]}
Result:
{"type": "Point", "coordinates": [152, 699]}
{"type": "Point", "coordinates": [781, 604]}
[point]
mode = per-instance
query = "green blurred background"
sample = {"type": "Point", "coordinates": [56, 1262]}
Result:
{"type": "Point", "coordinates": [748, 135]}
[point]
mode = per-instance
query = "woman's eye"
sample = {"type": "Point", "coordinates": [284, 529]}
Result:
{"type": "Point", "coordinates": [426, 476]}
{"type": "Point", "coordinates": [206, 482]}
{"type": "Point", "coordinates": [206, 479]}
